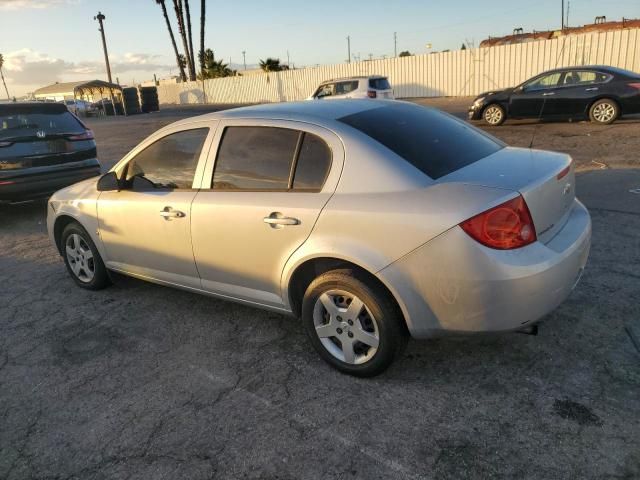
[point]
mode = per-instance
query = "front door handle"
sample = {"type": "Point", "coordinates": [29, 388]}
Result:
{"type": "Point", "coordinates": [548, 94]}
{"type": "Point", "coordinates": [168, 212]}
{"type": "Point", "coordinates": [592, 89]}
{"type": "Point", "coordinates": [276, 219]}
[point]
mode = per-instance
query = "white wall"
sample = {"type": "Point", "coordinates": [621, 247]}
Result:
{"type": "Point", "coordinates": [456, 73]}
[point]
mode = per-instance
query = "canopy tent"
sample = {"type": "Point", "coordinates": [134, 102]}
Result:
{"type": "Point", "coordinates": [87, 88]}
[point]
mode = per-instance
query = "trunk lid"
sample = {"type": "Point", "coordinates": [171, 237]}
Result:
{"type": "Point", "coordinates": [30, 151]}
{"type": "Point", "coordinates": [539, 176]}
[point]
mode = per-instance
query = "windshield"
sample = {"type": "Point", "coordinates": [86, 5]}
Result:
{"type": "Point", "coordinates": [20, 124]}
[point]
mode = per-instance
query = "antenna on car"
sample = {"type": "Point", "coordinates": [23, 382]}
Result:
{"type": "Point", "coordinates": [535, 130]}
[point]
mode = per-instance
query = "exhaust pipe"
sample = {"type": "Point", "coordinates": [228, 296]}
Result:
{"type": "Point", "coordinates": [530, 330]}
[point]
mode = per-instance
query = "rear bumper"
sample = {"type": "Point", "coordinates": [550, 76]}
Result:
{"type": "Point", "coordinates": [29, 184]}
{"type": "Point", "coordinates": [453, 284]}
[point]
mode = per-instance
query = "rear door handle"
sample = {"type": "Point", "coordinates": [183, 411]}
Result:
{"type": "Point", "coordinates": [548, 94]}
{"type": "Point", "coordinates": [168, 212]}
{"type": "Point", "coordinates": [276, 219]}
{"type": "Point", "coordinates": [592, 89]}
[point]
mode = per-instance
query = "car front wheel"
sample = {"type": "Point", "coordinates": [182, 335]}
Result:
{"type": "Point", "coordinates": [353, 323]}
{"type": "Point", "coordinates": [494, 115]}
{"type": "Point", "coordinates": [82, 259]}
{"type": "Point", "coordinates": [604, 111]}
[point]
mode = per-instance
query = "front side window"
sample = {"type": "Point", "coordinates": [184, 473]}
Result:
{"type": "Point", "coordinates": [270, 159]}
{"type": "Point", "coordinates": [544, 82]}
{"type": "Point", "coordinates": [169, 163]}
{"type": "Point", "coordinates": [325, 91]}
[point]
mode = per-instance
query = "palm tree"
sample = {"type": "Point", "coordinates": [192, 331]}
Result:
{"type": "Point", "coordinates": [192, 66]}
{"type": "Point", "coordinates": [2, 75]}
{"type": "Point", "coordinates": [202, 22]}
{"type": "Point", "coordinates": [213, 68]}
{"type": "Point", "coordinates": [272, 65]}
{"type": "Point", "coordinates": [183, 76]}
{"type": "Point", "coordinates": [177, 5]}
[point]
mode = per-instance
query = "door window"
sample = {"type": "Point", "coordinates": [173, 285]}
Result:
{"type": "Point", "coordinates": [325, 91]}
{"type": "Point", "coordinates": [342, 88]}
{"type": "Point", "coordinates": [169, 163]}
{"type": "Point", "coordinates": [270, 159]}
{"type": "Point", "coordinates": [544, 82]}
{"type": "Point", "coordinates": [585, 77]}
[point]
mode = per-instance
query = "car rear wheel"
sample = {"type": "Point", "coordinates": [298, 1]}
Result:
{"type": "Point", "coordinates": [604, 111]}
{"type": "Point", "coordinates": [82, 259]}
{"type": "Point", "coordinates": [494, 115]}
{"type": "Point", "coordinates": [353, 323]}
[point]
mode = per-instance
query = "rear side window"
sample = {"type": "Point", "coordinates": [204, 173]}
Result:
{"type": "Point", "coordinates": [313, 163]}
{"type": "Point", "coordinates": [379, 84]}
{"type": "Point", "coordinates": [343, 88]}
{"type": "Point", "coordinates": [255, 158]}
{"type": "Point", "coordinates": [21, 124]}
{"type": "Point", "coordinates": [169, 163]}
{"type": "Point", "coordinates": [270, 159]}
{"type": "Point", "coordinates": [435, 143]}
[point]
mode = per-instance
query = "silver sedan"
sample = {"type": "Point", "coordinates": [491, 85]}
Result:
{"type": "Point", "coordinates": [371, 221]}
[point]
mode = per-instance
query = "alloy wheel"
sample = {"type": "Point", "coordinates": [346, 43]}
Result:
{"type": "Point", "coordinates": [604, 112]}
{"type": "Point", "coordinates": [345, 326]}
{"type": "Point", "coordinates": [493, 115]}
{"type": "Point", "coordinates": [80, 258]}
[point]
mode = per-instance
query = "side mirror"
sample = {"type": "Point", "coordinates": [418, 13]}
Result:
{"type": "Point", "coordinates": [108, 182]}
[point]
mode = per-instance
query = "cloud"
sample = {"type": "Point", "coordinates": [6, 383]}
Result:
{"type": "Point", "coordinates": [28, 67]}
{"type": "Point", "coordinates": [19, 4]}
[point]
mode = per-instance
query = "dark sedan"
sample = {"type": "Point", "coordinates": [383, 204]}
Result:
{"type": "Point", "coordinates": [43, 148]}
{"type": "Point", "coordinates": [601, 94]}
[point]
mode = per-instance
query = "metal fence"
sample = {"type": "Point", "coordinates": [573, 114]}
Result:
{"type": "Point", "coordinates": [456, 73]}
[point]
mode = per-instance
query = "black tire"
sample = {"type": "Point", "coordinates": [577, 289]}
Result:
{"type": "Point", "coordinates": [390, 327]}
{"type": "Point", "coordinates": [604, 111]}
{"type": "Point", "coordinates": [100, 277]}
{"type": "Point", "coordinates": [494, 114]}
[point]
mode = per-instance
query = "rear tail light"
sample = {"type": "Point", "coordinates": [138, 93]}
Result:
{"type": "Point", "coordinates": [563, 173]}
{"type": "Point", "coordinates": [87, 135]}
{"type": "Point", "coordinates": [7, 182]}
{"type": "Point", "coordinates": [372, 94]}
{"type": "Point", "coordinates": [635, 85]}
{"type": "Point", "coordinates": [504, 227]}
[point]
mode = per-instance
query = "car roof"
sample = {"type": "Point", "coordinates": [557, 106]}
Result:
{"type": "Point", "coordinates": [355, 77]}
{"type": "Point", "coordinates": [310, 111]}
{"type": "Point", "coordinates": [605, 68]}
{"type": "Point", "coordinates": [32, 107]}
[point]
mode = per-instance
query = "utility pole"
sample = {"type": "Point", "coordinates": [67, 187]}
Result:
{"type": "Point", "coordinates": [562, 22]}
{"type": "Point", "coordinates": [348, 49]}
{"type": "Point", "coordinates": [395, 44]}
{"type": "Point", "coordinates": [244, 59]}
{"type": "Point", "coordinates": [100, 17]}
{"type": "Point", "coordinates": [288, 61]}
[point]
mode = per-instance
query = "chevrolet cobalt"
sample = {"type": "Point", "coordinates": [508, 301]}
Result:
{"type": "Point", "coordinates": [372, 221]}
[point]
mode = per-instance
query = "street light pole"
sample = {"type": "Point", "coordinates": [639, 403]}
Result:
{"type": "Point", "coordinates": [100, 17]}
{"type": "Point", "coordinates": [349, 49]}
{"type": "Point", "coordinates": [395, 44]}
{"type": "Point", "coordinates": [562, 23]}
{"type": "Point", "coordinates": [244, 59]}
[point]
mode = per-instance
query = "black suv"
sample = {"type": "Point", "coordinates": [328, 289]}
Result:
{"type": "Point", "coordinates": [43, 148]}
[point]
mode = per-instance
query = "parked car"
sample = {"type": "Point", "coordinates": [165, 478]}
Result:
{"type": "Point", "coordinates": [369, 220]}
{"type": "Point", "coordinates": [601, 94]}
{"type": "Point", "coordinates": [43, 147]}
{"type": "Point", "coordinates": [80, 107]}
{"type": "Point", "coordinates": [354, 87]}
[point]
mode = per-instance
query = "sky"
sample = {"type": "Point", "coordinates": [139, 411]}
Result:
{"type": "Point", "coordinates": [44, 41]}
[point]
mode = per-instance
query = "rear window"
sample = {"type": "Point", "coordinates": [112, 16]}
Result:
{"type": "Point", "coordinates": [435, 143]}
{"type": "Point", "coordinates": [379, 84]}
{"type": "Point", "coordinates": [26, 122]}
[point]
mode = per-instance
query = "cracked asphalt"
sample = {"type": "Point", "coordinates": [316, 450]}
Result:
{"type": "Point", "coordinates": [141, 381]}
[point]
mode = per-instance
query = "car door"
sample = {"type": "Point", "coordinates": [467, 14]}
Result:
{"type": "Point", "coordinates": [535, 98]}
{"type": "Point", "coordinates": [346, 89]}
{"type": "Point", "coordinates": [269, 183]}
{"type": "Point", "coordinates": [578, 89]}
{"type": "Point", "coordinates": [146, 226]}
